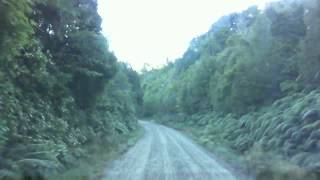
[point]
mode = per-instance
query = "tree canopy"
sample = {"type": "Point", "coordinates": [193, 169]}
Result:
{"type": "Point", "coordinates": [61, 88]}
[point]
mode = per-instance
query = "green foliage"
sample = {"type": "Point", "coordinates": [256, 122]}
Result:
{"type": "Point", "coordinates": [310, 59]}
{"type": "Point", "coordinates": [16, 28]}
{"type": "Point", "coordinates": [61, 89]}
{"type": "Point", "coordinates": [90, 64]}
{"type": "Point", "coordinates": [245, 61]}
{"type": "Point", "coordinates": [252, 80]}
{"type": "Point", "coordinates": [276, 141]}
{"type": "Point", "coordinates": [267, 166]}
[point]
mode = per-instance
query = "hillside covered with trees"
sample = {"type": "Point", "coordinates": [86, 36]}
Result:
{"type": "Point", "coordinates": [251, 85]}
{"type": "Point", "coordinates": [62, 92]}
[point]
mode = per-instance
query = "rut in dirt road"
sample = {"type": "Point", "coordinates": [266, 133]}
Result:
{"type": "Point", "coordinates": [165, 154]}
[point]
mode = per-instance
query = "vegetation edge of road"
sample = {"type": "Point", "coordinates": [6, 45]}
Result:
{"type": "Point", "coordinates": [251, 165]}
{"type": "Point", "coordinates": [93, 167]}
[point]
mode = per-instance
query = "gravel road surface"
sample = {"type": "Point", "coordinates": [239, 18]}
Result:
{"type": "Point", "coordinates": [166, 154]}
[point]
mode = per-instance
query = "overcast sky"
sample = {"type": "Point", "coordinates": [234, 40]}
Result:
{"type": "Point", "coordinates": [152, 31]}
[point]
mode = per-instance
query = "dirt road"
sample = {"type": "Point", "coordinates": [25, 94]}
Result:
{"type": "Point", "coordinates": [165, 154]}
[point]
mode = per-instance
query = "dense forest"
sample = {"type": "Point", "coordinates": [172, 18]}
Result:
{"type": "Point", "coordinates": [251, 85]}
{"type": "Point", "coordinates": [248, 89]}
{"type": "Point", "coordinates": [61, 90]}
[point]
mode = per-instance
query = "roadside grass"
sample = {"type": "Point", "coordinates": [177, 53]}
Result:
{"type": "Point", "coordinates": [254, 164]}
{"type": "Point", "coordinates": [270, 166]}
{"type": "Point", "coordinates": [93, 167]}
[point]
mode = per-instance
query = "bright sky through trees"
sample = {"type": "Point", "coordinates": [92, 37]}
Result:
{"type": "Point", "coordinates": [152, 31]}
